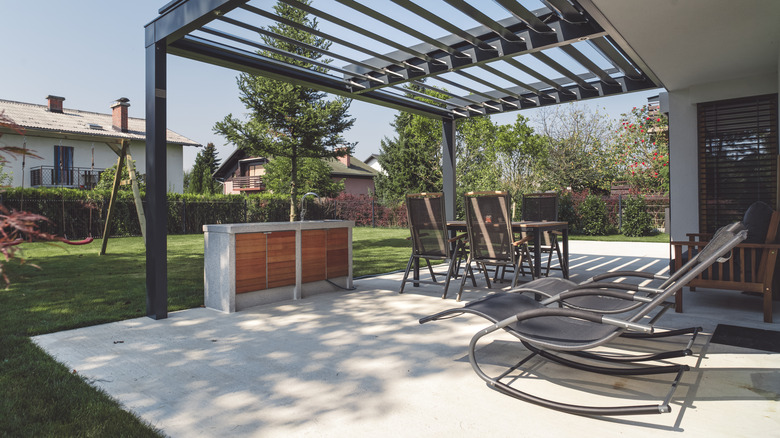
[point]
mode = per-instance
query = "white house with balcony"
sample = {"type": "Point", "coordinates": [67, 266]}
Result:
{"type": "Point", "coordinates": [75, 146]}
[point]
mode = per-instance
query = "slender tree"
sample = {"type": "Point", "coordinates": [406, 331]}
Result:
{"type": "Point", "coordinates": [288, 120]}
{"type": "Point", "coordinates": [575, 153]}
{"type": "Point", "coordinates": [412, 160]}
{"type": "Point", "coordinates": [201, 178]}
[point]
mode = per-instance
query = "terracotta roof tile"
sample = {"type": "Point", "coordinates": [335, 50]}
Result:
{"type": "Point", "coordinates": [38, 117]}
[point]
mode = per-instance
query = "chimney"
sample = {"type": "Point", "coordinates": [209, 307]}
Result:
{"type": "Point", "coordinates": [55, 103]}
{"type": "Point", "coordinates": [119, 115]}
{"type": "Point", "coordinates": [344, 160]}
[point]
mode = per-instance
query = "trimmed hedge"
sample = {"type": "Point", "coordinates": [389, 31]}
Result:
{"type": "Point", "coordinates": [77, 214]}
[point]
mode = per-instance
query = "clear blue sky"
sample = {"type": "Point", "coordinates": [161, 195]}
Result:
{"type": "Point", "coordinates": [92, 52]}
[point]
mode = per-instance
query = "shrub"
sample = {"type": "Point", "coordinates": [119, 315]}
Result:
{"type": "Point", "coordinates": [593, 217]}
{"type": "Point", "coordinates": [636, 220]}
{"type": "Point", "coordinates": [567, 211]}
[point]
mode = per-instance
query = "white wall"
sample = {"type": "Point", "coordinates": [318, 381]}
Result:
{"type": "Point", "coordinates": [683, 142]}
{"type": "Point", "coordinates": [82, 157]}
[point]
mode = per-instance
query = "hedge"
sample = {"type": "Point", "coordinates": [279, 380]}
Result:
{"type": "Point", "coordinates": [77, 214]}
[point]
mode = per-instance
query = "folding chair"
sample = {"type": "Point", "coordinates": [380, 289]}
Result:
{"type": "Point", "coordinates": [540, 207]}
{"type": "Point", "coordinates": [490, 238]}
{"type": "Point", "coordinates": [430, 239]}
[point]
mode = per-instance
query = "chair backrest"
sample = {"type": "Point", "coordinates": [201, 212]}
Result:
{"type": "Point", "coordinates": [540, 206]}
{"type": "Point", "coordinates": [758, 221]}
{"type": "Point", "coordinates": [425, 214]}
{"type": "Point", "coordinates": [489, 226]}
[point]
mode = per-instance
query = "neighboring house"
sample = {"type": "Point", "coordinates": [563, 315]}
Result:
{"type": "Point", "coordinates": [373, 162]}
{"type": "Point", "coordinates": [75, 146]}
{"type": "Point", "coordinates": [240, 173]}
{"type": "Point", "coordinates": [358, 176]}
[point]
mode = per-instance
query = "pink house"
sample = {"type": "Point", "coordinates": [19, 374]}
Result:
{"type": "Point", "coordinates": [241, 173]}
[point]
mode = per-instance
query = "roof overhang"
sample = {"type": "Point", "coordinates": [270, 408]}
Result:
{"type": "Point", "coordinates": [687, 43]}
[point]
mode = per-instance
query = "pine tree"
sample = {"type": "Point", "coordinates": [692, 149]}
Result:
{"type": "Point", "coordinates": [201, 179]}
{"type": "Point", "coordinates": [411, 161]}
{"type": "Point", "coordinates": [288, 120]}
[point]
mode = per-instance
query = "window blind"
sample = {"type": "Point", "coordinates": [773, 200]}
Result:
{"type": "Point", "coordinates": [737, 158]}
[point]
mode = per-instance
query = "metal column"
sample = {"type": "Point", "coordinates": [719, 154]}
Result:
{"type": "Point", "coordinates": [156, 180]}
{"type": "Point", "coordinates": [448, 167]}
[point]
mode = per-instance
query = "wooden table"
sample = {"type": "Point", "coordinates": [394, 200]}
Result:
{"type": "Point", "coordinates": [537, 228]}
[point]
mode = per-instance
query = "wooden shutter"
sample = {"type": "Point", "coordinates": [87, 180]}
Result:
{"type": "Point", "coordinates": [737, 158]}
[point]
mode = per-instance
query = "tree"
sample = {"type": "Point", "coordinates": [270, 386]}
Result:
{"type": "Point", "coordinates": [313, 176]}
{"type": "Point", "coordinates": [642, 150]}
{"type": "Point", "coordinates": [478, 156]}
{"type": "Point", "coordinates": [575, 149]}
{"type": "Point", "coordinates": [106, 181]}
{"type": "Point", "coordinates": [287, 120]}
{"type": "Point", "coordinates": [201, 178]}
{"type": "Point", "coordinates": [17, 226]}
{"type": "Point", "coordinates": [412, 160]}
{"type": "Point", "coordinates": [521, 148]}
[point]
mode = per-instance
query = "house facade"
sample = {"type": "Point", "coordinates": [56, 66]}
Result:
{"type": "Point", "coordinates": [75, 146]}
{"type": "Point", "coordinates": [240, 173]}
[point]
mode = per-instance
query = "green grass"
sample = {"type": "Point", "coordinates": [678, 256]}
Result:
{"type": "Point", "coordinates": [75, 287]}
{"type": "Point", "coordinates": [379, 250]}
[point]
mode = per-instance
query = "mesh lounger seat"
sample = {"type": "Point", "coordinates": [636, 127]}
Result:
{"type": "Point", "coordinates": [575, 318]}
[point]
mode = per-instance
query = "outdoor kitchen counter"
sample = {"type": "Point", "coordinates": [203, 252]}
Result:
{"type": "Point", "coordinates": [247, 265]}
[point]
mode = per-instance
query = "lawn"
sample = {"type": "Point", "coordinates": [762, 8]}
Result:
{"type": "Point", "coordinates": [74, 287]}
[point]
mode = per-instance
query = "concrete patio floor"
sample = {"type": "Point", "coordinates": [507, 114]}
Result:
{"type": "Point", "coordinates": [357, 363]}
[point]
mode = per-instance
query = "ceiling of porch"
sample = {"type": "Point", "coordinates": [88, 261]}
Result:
{"type": "Point", "coordinates": [690, 42]}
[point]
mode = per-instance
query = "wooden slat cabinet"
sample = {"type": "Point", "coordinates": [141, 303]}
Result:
{"type": "Point", "coordinates": [267, 260]}
{"type": "Point", "coordinates": [247, 265]}
{"type": "Point", "coordinates": [338, 252]}
{"type": "Point", "coordinates": [251, 272]}
{"type": "Point", "coordinates": [314, 249]}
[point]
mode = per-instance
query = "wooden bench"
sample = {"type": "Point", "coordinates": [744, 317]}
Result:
{"type": "Point", "coordinates": [751, 268]}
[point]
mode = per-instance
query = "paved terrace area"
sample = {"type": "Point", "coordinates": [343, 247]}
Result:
{"type": "Point", "coordinates": [358, 364]}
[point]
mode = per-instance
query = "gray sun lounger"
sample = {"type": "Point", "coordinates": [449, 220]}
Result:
{"type": "Point", "coordinates": [573, 319]}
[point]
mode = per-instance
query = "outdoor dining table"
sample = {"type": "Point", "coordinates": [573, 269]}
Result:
{"type": "Point", "coordinates": [537, 228]}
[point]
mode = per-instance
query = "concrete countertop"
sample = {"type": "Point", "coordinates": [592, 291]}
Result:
{"type": "Point", "coordinates": [259, 227]}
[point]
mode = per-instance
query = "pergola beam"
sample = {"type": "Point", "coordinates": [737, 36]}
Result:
{"type": "Point", "coordinates": [224, 56]}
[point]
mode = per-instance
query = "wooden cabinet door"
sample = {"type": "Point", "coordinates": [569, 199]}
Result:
{"type": "Point", "coordinates": [281, 258]}
{"type": "Point", "coordinates": [314, 252]}
{"type": "Point", "coordinates": [338, 252]}
{"type": "Point", "coordinates": [250, 262]}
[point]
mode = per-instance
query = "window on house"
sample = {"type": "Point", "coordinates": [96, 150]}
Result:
{"type": "Point", "coordinates": [256, 170]}
{"type": "Point", "coordinates": [63, 165]}
{"type": "Point", "coordinates": [738, 158]}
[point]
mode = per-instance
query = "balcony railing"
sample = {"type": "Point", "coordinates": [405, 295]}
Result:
{"type": "Point", "coordinates": [74, 177]}
{"type": "Point", "coordinates": [247, 183]}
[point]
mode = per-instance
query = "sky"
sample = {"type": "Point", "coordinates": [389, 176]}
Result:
{"type": "Point", "coordinates": [92, 52]}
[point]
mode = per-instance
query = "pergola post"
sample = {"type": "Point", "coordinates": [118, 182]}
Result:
{"type": "Point", "coordinates": [156, 179]}
{"type": "Point", "coordinates": [448, 167]}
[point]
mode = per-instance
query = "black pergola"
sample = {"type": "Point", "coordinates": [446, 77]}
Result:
{"type": "Point", "coordinates": [499, 57]}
